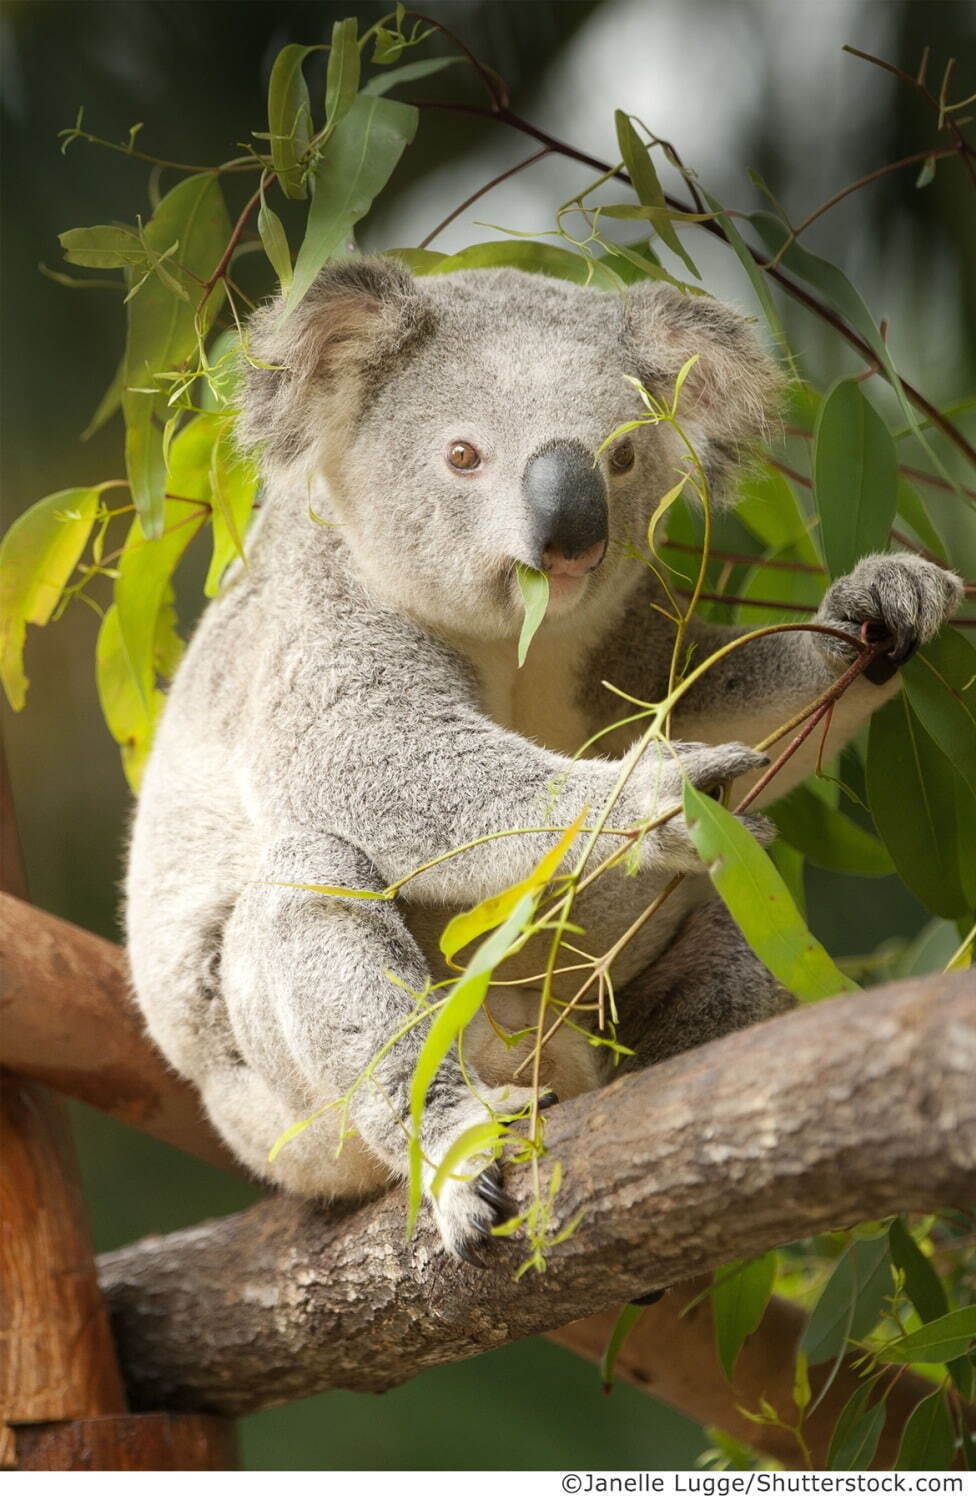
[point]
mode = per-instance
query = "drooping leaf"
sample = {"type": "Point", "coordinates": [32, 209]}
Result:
{"type": "Point", "coordinates": [477, 1140]}
{"type": "Point", "coordinates": [342, 79]}
{"type": "Point", "coordinates": [461, 1006]}
{"type": "Point", "coordinates": [534, 588]}
{"type": "Point", "coordinates": [855, 1438]}
{"type": "Point", "coordinates": [828, 837]}
{"type": "Point", "coordinates": [740, 1293]}
{"type": "Point", "coordinates": [850, 1303]}
{"type": "Point", "coordinates": [233, 486]}
{"type": "Point", "coordinates": [760, 284]}
{"type": "Point", "coordinates": [37, 557]}
{"type": "Point", "coordinates": [910, 791]}
{"type": "Point", "coordinates": [944, 1339]}
{"type": "Point", "coordinates": [468, 925]}
{"type": "Point", "coordinates": [289, 117]}
{"type": "Point", "coordinates": [357, 164]}
{"type": "Point", "coordinates": [410, 72]}
{"type": "Point", "coordinates": [922, 1284]}
{"type": "Point", "coordinates": [928, 1441]}
{"type": "Point", "coordinates": [940, 684]}
{"type": "Point", "coordinates": [275, 243]}
{"type": "Point", "coordinates": [162, 331]}
{"type": "Point", "coordinates": [756, 895]}
{"type": "Point", "coordinates": [629, 1314]}
{"type": "Point", "coordinates": [103, 246]}
{"type": "Point", "coordinates": [129, 717]}
{"type": "Point", "coordinates": [640, 166]}
{"type": "Point", "coordinates": [911, 508]}
{"type": "Point", "coordinates": [108, 405]}
{"type": "Point", "coordinates": [855, 477]}
{"type": "Point", "coordinates": [767, 504]}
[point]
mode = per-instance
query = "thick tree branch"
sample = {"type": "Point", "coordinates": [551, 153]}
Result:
{"type": "Point", "coordinates": [854, 1109]}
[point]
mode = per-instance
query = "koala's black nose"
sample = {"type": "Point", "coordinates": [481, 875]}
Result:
{"type": "Point", "coordinates": [567, 501]}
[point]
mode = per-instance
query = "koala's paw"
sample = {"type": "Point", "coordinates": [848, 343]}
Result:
{"type": "Point", "coordinates": [899, 596]}
{"type": "Point", "coordinates": [708, 768]}
{"type": "Point", "coordinates": [466, 1212]}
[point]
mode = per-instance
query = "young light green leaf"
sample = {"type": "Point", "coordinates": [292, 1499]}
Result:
{"type": "Point", "coordinates": [461, 1005]}
{"type": "Point", "coordinates": [856, 1435]}
{"type": "Point", "coordinates": [361, 157]}
{"type": "Point", "coordinates": [850, 1304]}
{"type": "Point", "coordinates": [940, 684]}
{"type": "Point", "coordinates": [162, 329]}
{"type": "Point", "coordinates": [289, 117]}
{"type": "Point", "coordinates": [103, 246]}
{"type": "Point", "coordinates": [801, 1383]}
{"type": "Point", "coordinates": [629, 1314]}
{"type": "Point", "coordinates": [130, 719]}
{"type": "Point", "coordinates": [275, 243]}
{"type": "Point", "coordinates": [233, 486]}
{"type": "Point", "coordinates": [740, 1293]}
{"type": "Point", "coordinates": [342, 80]}
{"type": "Point", "coordinates": [922, 1283]}
{"type": "Point", "coordinates": [529, 255]}
{"type": "Point", "coordinates": [534, 588]}
{"type": "Point", "coordinates": [855, 477]}
{"type": "Point", "coordinates": [828, 837]}
{"type": "Point", "coordinates": [928, 1441]}
{"type": "Point", "coordinates": [476, 1141]}
{"type": "Point", "coordinates": [468, 925]}
{"type": "Point", "coordinates": [912, 798]}
{"type": "Point", "coordinates": [410, 72]}
{"type": "Point", "coordinates": [38, 555]}
{"type": "Point", "coordinates": [756, 895]}
{"type": "Point", "coordinates": [936, 1343]}
{"type": "Point", "coordinates": [640, 166]}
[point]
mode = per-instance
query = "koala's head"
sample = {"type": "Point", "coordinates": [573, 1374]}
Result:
{"type": "Point", "coordinates": [455, 421]}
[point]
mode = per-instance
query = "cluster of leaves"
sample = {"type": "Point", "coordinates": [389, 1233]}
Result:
{"type": "Point", "coordinates": [901, 799]}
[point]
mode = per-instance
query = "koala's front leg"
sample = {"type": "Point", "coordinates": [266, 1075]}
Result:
{"type": "Point", "coordinates": [305, 978]}
{"type": "Point", "coordinates": [751, 691]}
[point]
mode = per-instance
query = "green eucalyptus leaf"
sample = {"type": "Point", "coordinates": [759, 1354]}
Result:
{"type": "Point", "coordinates": [928, 1441]}
{"type": "Point", "coordinates": [912, 798]}
{"type": "Point", "coordinates": [233, 486]}
{"type": "Point", "coordinates": [38, 555]}
{"type": "Point", "coordinates": [275, 243]}
{"type": "Point", "coordinates": [290, 117]}
{"type": "Point", "coordinates": [530, 255]}
{"type": "Point", "coordinates": [162, 329]}
{"type": "Point", "coordinates": [103, 246]}
{"type": "Point", "coordinates": [851, 1301]}
{"type": "Point", "coordinates": [922, 1284]}
{"type": "Point", "coordinates": [130, 718]}
{"type": "Point", "coordinates": [342, 80]}
{"type": "Point", "coordinates": [361, 157]}
{"type": "Point", "coordinates": [109, 404]}
{"type": "Point", "coordinates": [627, 1317]}
{"type": "Point", "coordinates": [740, 1293]}
{"type": "Point", "coordinates": [760, 284]}
{"type": "Point", "coordinates": [940, 684]}
{"type": "Point", "coordinates": [644, 179]}
{"type": "Point", "coordinates": [758, 899]}
{"type": "Point", "coordinates": [855, 477]}
{"type": "Point", "coordinates": [912, 509]}
{"type": "Point", "coordinates": [408, 73]}
{"type": "Point", "coordinates": [855, 1438]}
{"type": "Point", "coordinates": [767, 504]}
{"type": "Point", "coordinates": [534, 588]}
{"type": "Point", "coordinates": [828, 837]}
{"type": "Point", "coordinates": [943, 1339]}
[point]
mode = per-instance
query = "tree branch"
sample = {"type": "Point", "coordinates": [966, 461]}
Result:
{"type": "Point", "coordinates": [851, 1110]}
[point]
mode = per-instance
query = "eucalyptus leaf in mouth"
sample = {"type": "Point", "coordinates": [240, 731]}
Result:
{"type": "Point", "coordinates": [534, 588]}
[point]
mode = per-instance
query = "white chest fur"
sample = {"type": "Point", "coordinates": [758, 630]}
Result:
{"type": "Point", "coordinates": [539, 700]}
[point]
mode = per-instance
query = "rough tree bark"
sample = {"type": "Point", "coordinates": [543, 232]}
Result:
{"type": "Point", "coordinates": [858, 1108]}
{"type": "Point", "coordinates": [67, 1008]}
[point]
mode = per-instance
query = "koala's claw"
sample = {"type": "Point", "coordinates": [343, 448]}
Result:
{"type": "Point", "coordinates": [489, 1187]}
{"type": "Point", "coordinates": [901, 597]}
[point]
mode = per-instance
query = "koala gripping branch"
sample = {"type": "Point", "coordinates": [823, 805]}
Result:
{"type": "Point", "coordinates": [831, 1114]}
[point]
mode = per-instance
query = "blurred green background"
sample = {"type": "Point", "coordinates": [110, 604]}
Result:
{"type": "Point", "coordinates": [734, 84]}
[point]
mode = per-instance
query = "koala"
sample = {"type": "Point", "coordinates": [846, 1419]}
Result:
{"type": "Point", "coordinates": [350, 708]}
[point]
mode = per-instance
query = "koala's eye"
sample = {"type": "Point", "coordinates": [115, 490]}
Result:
{"type": "Point", "coordinates": [622, 457]}
{"type": "Point", "coordinates": [462, 456]}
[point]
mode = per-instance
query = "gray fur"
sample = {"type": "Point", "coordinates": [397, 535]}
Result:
{"type": "Point", "coordinates": [350, 708]}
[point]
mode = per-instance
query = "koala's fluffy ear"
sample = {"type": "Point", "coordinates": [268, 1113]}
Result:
{"type": "Point", "coordinates": [307, 368]}
{"type": "Point", "coordinates": [733, 392]}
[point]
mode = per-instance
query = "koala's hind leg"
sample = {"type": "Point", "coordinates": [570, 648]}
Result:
{"type": "Point", "coordinates": [707, 983]}
{"type": "Point", "coordinates": [306, 980]}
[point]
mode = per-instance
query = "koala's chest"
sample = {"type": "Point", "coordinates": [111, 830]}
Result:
{"type": "Point", "coordinates": [540, 701]}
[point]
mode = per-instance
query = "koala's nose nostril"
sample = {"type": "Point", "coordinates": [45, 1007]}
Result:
{"type": "Point", "coordinates": [559, 565]}
{"type": "Point", "coordinates": [567, 503]}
